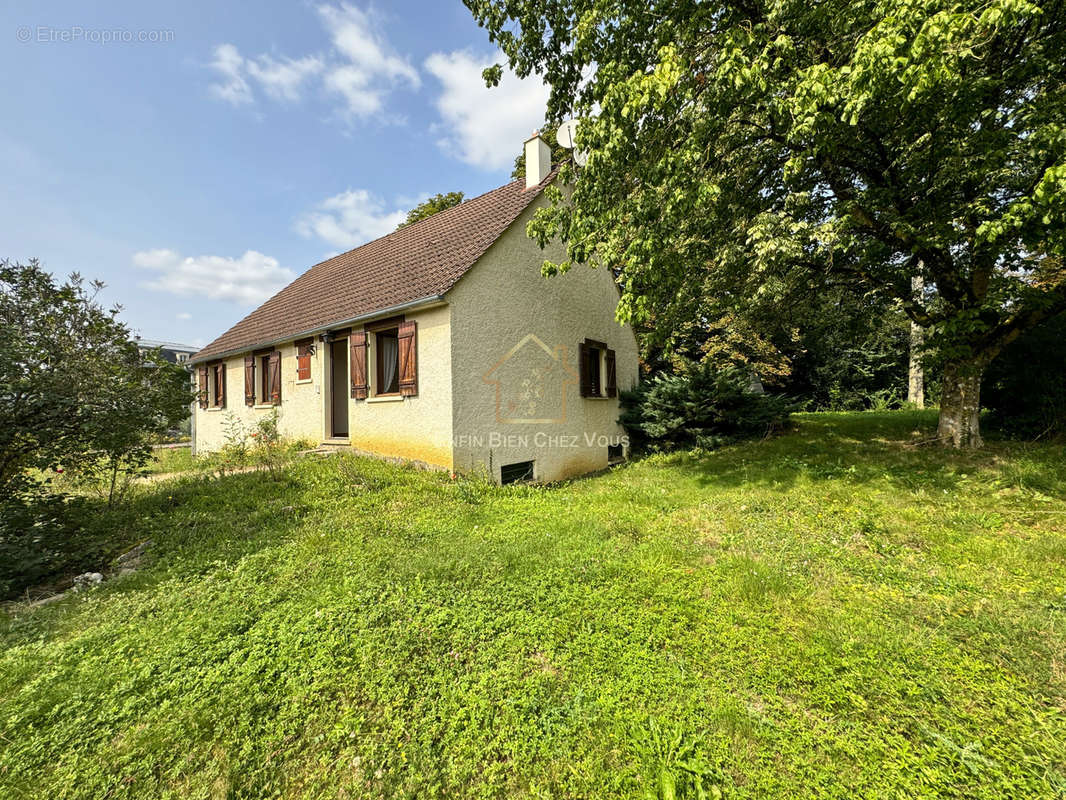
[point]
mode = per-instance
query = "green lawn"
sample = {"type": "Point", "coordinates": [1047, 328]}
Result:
{"type": "Point", "coordinates": [832, 613]}
{"type": "Point", "coordinates": [171, 459]}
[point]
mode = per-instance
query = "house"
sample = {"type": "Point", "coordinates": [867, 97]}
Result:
{"type": "Point", "coordinates": [440, 343]}
{"type": "Point", "coordinates": [171, 351]}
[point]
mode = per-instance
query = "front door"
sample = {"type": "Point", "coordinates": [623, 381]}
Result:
{"type": "Point", "coordinates": [338, 388]}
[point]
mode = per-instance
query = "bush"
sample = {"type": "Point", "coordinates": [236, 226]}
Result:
{"type": "Point", "coordinates": [40, 539]}
{"type": "Point", "coordinates": [1025, 388]}
{"type": "Point", "coordinates": [75, 390]}
{"type": "Point", "coordinates": [703, 407]}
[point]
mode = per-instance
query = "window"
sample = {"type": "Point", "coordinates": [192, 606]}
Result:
{"type": "Point", "coordinates": [384, 359]}
{"type": "Point", "coordinates": [182, 357]}
{"type": "Point", "coordinates": [218, 385]}
{"type": "Point", "coordinates": [596, 369]}
{"type": "Point", "coordinates": [263, 396]}
{"type": "Point", "coordinates": [595, 356]}
{"type": "Point", "coordinates": [387, 361]}
{"type": "Point", "coordinates": [514, 473]}
{"type": "Point", "coordinates": [262, 378]}
{"type": "Point", "coordinates": [212, 380]}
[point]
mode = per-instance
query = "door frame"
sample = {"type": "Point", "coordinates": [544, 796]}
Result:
{"type": "Point", "coordinates": [333, 395]}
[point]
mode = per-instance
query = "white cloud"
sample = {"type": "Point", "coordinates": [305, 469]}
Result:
{"type": "Point", "coordinates": [283, 80]}
{"type": "Point", "coordinates": [248, 280]}
{"type": "Point", "coordinates": [232, 87]}
{"type": "Point", "coordinates": [183, 315]}
{"type": "Point", "coordinates": [482, 126]}
{"type": "Point", "coordinates": [360, 69]}
{"type": "Point", "coordinates": [368, 67]}
{"type": "Point", "coordinates": [349, 219]}
{"type": "Point", "coordinates": [351, 83]}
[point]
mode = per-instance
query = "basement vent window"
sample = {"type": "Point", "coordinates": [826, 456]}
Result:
{"type": "Point", "coordinates": [515, 473]}
{"type": "Point", "coordinates": [614, 453]}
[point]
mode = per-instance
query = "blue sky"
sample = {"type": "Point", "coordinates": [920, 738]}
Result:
{"type": "Point", "coordinates": [201, 169]}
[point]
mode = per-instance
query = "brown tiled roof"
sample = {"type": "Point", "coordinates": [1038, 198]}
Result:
{"type": "Point", "coordinates": [418, 261]}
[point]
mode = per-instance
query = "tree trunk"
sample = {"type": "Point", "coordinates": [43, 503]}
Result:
{"type": "Point", "coordinates": [915, 372]}
{"type": "Point", "coordinates": [114, 479]}
{"type": "Point", "coordinates": [960, 405]}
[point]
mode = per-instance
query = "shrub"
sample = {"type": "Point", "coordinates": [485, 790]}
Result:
{"type": "Point", "coordinates": [269, 450]}
{"type": "Point", "coordinates": [1025, 389]}
{"type": "Point", "coordinates": [234, 453]}
{"type": "Point", "coordinates": [74, 389]}
{"type": "Point", "coordinates": [40, 538]}
{"type": "Point", "coordinates": [702, 407]}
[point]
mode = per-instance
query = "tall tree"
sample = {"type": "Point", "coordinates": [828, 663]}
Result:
{"type": "Point", "coordinates": [739, 150]}
{"type": "Point", "coordinates": [75, 391]}
{"type": "Point", "coordinates": [427, 208]}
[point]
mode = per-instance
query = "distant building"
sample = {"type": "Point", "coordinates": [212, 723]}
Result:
{"type": "Point", "coordinates": [172, 351]}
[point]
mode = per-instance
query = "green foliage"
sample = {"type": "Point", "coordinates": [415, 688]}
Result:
{"type": "Point", "coordinates": [703, 407]}
{"type": "Point", "coordinates": [171, 459]}
{"type": "Point", "coordinates": [427, 208]}
{"type": "Point", "coordinates": [1026, 387]}
{"type": "Point", "coordinates": [77, 400]}
{"type": "Point", "coordinates": [741, 155]}
{"type": "Point", "coordinates": [38, 535]}
{"type": "Point", "coordinates": [257, 445]}
{"type": "Point", "coordinates": [849, 353]}
{"type": "Point", "coordinates": [269, 450]}
{"type": "Point", "coordinates": [74, 390]}
{"type": "Point", "coordinates": [804, 616]}
{"type": "Point", "coordinates": [236, 443]}
{"type": "Point", "coordinates": [833, 350]}
{"type": "Point", "coordinates": [676, 766]}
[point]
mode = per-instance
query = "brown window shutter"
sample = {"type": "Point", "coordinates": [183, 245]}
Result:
{"type": "Point", "coordinates": [275, 377]}
{"type": "Point", "coordinates": [203, 386]}
{"type": "Point", "coordinates": [611, 379]}
{"type": "Point", "coordinates": [303, 360]}
{"type": "Point", "coordinates": [249, 380]}
{"type": "Point", "coordinates": [357, 364]}
{"type": "Point", "coordinates": [584, 378]}
{"type": "Point", "coordinates": [408, 367]}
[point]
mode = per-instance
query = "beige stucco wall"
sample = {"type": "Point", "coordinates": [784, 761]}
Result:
{"type": "Point", "coordinates": [495, 306]}
{"type": "Point", "coordinates": [416, 428]}
{"type": "Point", "coordinates": [299, 415]}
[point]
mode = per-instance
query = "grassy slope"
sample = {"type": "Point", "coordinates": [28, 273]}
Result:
{"type": "Point", "coordinates": [825, 614]}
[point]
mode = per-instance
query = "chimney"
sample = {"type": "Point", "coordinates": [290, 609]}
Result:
{"type": "Point", "coordinates": [538, 160]}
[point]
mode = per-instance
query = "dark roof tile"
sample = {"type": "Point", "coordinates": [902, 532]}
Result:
{"type": "Point", "coordinates": [420, 260]}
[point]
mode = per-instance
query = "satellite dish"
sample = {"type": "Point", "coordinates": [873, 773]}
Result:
{"type": "Point", "coordinates": [580, 157]}
{"type": "Point", "coordinates": [565, 136]}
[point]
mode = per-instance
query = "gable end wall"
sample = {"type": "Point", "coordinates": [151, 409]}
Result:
{"type": "Point", "coordinates": [494, 306]}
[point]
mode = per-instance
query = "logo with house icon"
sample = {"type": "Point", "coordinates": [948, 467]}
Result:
{"type": "Point", "coordinates": [531, 382]}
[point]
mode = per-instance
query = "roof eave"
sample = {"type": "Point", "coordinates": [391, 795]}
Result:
{"type": "Point", "coordinates": [420, 304]}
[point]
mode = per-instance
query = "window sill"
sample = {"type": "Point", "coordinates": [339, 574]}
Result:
{"type": "Point", "coordinates": [385, 398]}
{"type": "Point", "coordinates": [213, 408]}
{"type": "Point", "coordinates": [309, 380]}
{"type": "Point", "coordinates": [597, 397]}
{"type": "Point", "coordinates": [261, 406]}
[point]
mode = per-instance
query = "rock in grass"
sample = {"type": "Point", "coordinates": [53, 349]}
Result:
{"type": "Point", "coordinates": [87, 580]}
{"type": "Point", "coordinates": [47, 601]}
{"type": "Point", "coordinates": [131, 559]}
